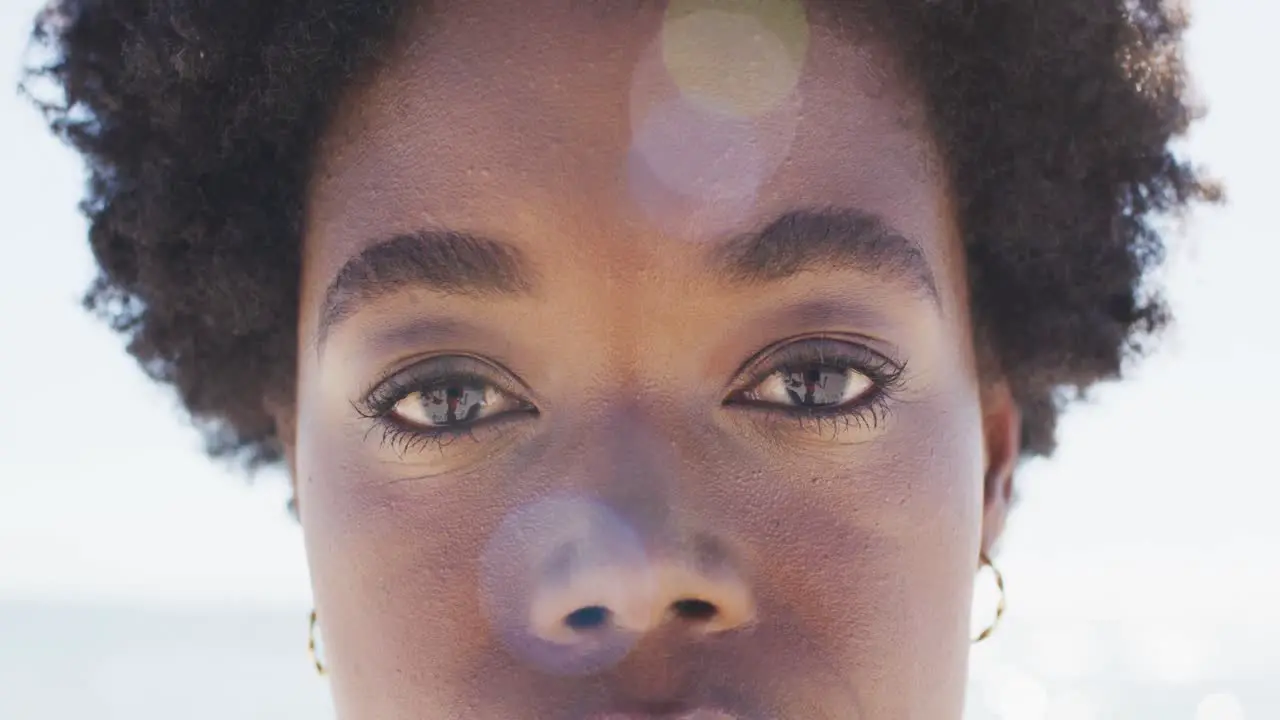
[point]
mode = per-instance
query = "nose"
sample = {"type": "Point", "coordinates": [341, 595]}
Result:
{"type": "Point", "coordinates": [587, 592]}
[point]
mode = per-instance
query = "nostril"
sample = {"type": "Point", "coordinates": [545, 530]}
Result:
{"type": "Point", "coordinates": [588, 618]}
{"type": "Point", "coordinates": [694, 609]}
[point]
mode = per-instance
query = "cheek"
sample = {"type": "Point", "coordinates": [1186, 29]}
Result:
{"type": "Point", "coordinates": [392, 569]}
{"type": "Point", "coordinates": [871, 554]}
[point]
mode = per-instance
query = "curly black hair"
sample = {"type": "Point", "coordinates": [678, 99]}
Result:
{"type": "Point", "coordinates": [198, 121]}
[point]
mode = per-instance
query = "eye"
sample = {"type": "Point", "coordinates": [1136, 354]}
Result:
{"type": "Point", "coordinates": [812, 385]}
{"type": "Point", "coordinates": [822, 376]}
{"type": "Point", "coordinates": [453, 403]}
{"type": "Point", "coordinates": [442, 399]}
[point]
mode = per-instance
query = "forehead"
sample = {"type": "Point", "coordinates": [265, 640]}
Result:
{"type": "Point", "coordinates": [622, 129]}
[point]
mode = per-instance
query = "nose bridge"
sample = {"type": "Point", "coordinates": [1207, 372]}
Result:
{"type": "Point", "coordinates": [640, 561]}
{"type": "Point", "coordinates": [630, 460]}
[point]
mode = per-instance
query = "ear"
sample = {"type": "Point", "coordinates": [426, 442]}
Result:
{"type": "Point", "coordinates": [1002, 435]}
{"type": "Point", "coordinates": [286, 426]}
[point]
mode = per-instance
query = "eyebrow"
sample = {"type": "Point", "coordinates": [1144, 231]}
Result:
{"type": "Point", "coordinates": [445, 261]}
{"type": "Point", "coordinates": [812, 239]}
{"type": "Point", "coordinates": [459, 263]}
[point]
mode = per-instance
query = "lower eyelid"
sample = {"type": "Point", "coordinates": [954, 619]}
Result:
{"type": "Point", "coordinates": [414, 441]}
{"type": "Point", "coordinates": [782, 422]}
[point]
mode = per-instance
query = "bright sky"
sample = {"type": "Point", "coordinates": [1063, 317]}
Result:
{"type": "Point", "coordinates": [1161, 503]}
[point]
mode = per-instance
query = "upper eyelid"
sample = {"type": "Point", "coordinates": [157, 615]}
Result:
{"type": "Point", "coordinates": [381, 399]}
{"type": "Point", "coordinates": [774, 358]}
{"type": "Point", "coordinates": [779, 347]}
{"type": "Point", "coordinates": [481, 369]}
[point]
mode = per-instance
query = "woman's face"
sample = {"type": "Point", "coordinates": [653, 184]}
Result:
{"type": "Point", "coordinates": [636, 375]}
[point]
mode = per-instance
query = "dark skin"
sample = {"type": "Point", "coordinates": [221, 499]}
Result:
{"type": "Point", "coordinates": [637, 518]}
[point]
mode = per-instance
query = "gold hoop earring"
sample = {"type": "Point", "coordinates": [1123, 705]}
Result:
{"type": "Point", "coordinates": [984, 560]}
{"type": "Point", "coordinates": [311, 644]}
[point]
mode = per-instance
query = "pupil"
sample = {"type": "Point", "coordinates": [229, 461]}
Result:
{"type": "Point", "coordinates": [453, 404]}
{"type": "Point", "coordinates": [816, 386]}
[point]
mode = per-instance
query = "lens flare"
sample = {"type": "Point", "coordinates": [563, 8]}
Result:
{"type": "Point", "coordinates": [740, 57]}
{"type": "Point", "coordinates": [687, 164]}
{"type": "Point", "coordinates": [696, 165]}
{"type": "Point", "coordinates": [535, 544]}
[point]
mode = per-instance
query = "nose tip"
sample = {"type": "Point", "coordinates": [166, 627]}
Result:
{"type": "Point", "coordinates": [600, 601]}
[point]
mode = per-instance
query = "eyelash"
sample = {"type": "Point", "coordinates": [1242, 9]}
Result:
{"type": "Point", "coordinates": [379, 403]}
{"type": "Point", "coordinates": [867, 411]}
